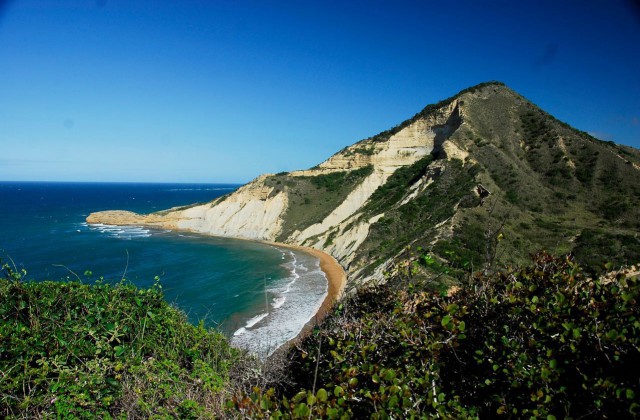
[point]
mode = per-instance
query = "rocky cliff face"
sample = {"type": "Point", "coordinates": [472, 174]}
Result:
{"type": "Point", "coordinates": [414, 184]}
{"type": "Point", "coordinates": [256, 211]}
{"type": "Point", "coordinates": [250, 213]}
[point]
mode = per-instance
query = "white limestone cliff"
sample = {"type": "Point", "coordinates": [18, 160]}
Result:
{"type": "Point", "coordinates": [257, 211]}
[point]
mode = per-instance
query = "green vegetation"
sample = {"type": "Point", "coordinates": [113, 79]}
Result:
{"type": "Point", "coordinates": [431, 109]}
{"type": "Point", "coordinates": [334, 181]}
{"type": "Point", "coordinates": [543, 174]}
{"type": "Point", "coordinates": [367, 150]}
{"type": "Point", "coordinates": [415, 221]}
{"type": "Point", "coordinates": [612, 247]}
{"type": "Point", "coordinates": [397, 186]}
{"type": "Point", "coordinates": [312, 198]}
{"type": "Point", "coordinates": [543, 341]}
{"type": "Point", "coordinates": [74, 350]}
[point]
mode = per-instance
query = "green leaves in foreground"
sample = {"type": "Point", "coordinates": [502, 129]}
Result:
{"type": "Point", "coordinates": [71, 349]}
{"type": "Point", "coordinates": [542, 342]}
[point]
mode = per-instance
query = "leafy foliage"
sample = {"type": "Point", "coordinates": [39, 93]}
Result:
{"type": "Point", "coordinates": [76, 350]}
{"type": "Point", "coordinates": [544, 341]}
{"type": "Point", "coordinates": [335, 180]}
{"type": "Point", "coordinates": [312, 198]}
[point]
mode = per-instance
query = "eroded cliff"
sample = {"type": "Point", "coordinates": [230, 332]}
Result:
{"type": "Point", "coordinates": [417, 185]}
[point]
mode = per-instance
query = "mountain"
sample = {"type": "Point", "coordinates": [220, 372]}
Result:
{"type": "Point", "coordinates": [481, 179]}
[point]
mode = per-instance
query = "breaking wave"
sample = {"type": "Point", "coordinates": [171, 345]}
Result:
{"type": "Point", "coordinates": [293, 302]}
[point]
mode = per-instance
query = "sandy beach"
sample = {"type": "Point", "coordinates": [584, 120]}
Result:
{"type": "Point", "coordinates": [336, 279]}
{"type": "Point", "coordinates": [336, 276]}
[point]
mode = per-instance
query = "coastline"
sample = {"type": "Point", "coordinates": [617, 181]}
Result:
{"type": "Point", "coordinates": [336, 283]}
{"type": "Point", "coordinates": [333, 271]}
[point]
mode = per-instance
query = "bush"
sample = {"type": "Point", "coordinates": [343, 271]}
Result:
{"type": "Point", "coordinates": [336, 180]}
{"type": "Point", "coordinates": [75, 350]}
{"type": "Point", "coordinates": [544, 341]}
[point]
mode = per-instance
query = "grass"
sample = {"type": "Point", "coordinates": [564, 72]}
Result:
{"type": "Point", "coordinates": [556, 180]}
{"type": "Point", "coordinates": [312, 198]}
{"type": "Point", "coordinates": [396, 187]}
{"type": "Point", "coordinates": [416, 220]}
{"type": "Point", "coordinates": [432, 109]}
{"type": "Point", "coordinates": [598, 247]}
{"type": "Point", "coordinates": [540, 171]}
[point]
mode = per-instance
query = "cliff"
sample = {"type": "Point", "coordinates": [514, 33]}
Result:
{"type": "Point", "coordinates": [424, 183]}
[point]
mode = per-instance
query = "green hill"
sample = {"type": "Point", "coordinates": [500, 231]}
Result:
{"type": "Point", "coordinates": [551, 187]}
{"type": "Point", "coordinates": [477, 181]}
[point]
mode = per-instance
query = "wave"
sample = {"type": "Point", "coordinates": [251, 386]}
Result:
{"type": "Point", "coordinates": [294, 276]}
{"type": "Point", "coordinates": [253, 321]}
{"type": "Point", "coordinates": [295, 299]}
{"type": "Point", "coordinates": [121, 232]}
{"type": "Point", "coordinates": [278, 302]}
{"type": "Point", "coordinates": [250, 323]}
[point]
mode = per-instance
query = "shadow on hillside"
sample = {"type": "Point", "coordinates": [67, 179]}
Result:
{"type": "Point", "coordinates": [444, 131]}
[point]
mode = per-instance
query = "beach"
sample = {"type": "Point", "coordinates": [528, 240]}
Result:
{"type": "Point", "coordinates": [336, 283]}
{"type": "Point", "coordinates": [247, 335]}
{"type": "Point", "coordinates": [336, 277]}
{"type": "Point", "coordinates": [271, 332]}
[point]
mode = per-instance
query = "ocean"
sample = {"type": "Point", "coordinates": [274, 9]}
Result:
{"type": "Point", "coordinates": [259, 295]}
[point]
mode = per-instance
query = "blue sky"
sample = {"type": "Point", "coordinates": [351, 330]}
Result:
{"type": "Point", "coordinates": [222, 91]}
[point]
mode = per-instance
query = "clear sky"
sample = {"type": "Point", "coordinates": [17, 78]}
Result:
{"type": "Point", "coordinates": [222, 91]}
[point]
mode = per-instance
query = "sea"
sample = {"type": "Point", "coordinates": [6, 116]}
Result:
{"type": "Point", "coordinates": [258, 295]}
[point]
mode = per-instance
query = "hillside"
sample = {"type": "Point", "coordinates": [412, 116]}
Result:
{"type": "Point", "coordinates": [481, 179]}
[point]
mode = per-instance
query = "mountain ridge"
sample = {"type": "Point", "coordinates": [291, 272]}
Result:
{"type": "Point", "coordinates": [480, 178]}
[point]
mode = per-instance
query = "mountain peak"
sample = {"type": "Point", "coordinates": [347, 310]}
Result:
{"type": "Point", "coordinates": [445, 182]}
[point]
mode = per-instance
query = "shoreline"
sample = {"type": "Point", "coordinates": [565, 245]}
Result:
{"type": "Point", "coordinates": [333, 271]}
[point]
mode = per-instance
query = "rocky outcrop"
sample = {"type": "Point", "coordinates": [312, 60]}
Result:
{"type": "Point", "coordinates": [249, 213]}
{"type": "Point", "coordinates": [123, 218]}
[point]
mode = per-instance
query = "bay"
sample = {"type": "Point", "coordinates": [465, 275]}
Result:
{"type": "Point", "coordinates": [257, 294]}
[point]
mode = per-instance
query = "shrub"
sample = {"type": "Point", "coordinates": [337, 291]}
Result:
{"type": "Point", "coordinates": [543, 341]}
{"type": "Point", "coordinates": [75, 350]}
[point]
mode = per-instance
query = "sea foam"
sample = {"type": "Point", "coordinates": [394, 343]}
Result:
{"type": "Point", "coordinates": [296, 299]}
{"type": "Point", "coordinates": [121, 232]}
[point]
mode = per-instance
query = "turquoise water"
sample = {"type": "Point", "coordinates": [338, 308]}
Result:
{"type": "Point", "coordinates": [257, 294]}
